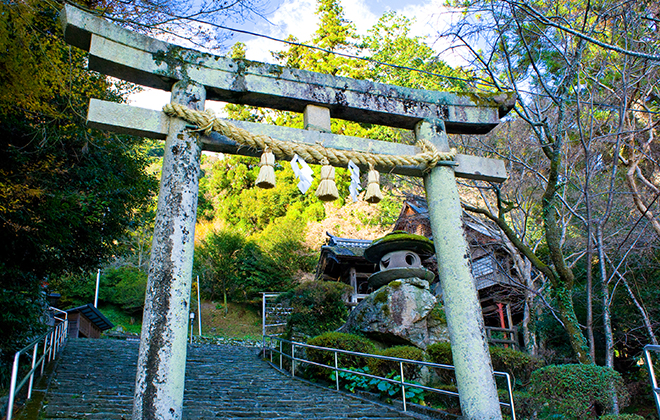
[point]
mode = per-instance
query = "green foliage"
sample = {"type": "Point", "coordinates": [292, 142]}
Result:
{"type": "Point", "coordinates": [387, 390]}
{"type": "Point", "coordinates": [67, 193]}
{"type": "Point", "coordinates": [23, 303]}
{"type": "Point", "coordinates": [122, 320]}
{"type": "Point", "coordinates": [76, 289]}
{"type": "Point", "coordinates": [382, 367]}
{"type": "Point", "coordinates": [238, 268]}
{"type": "Point", "coordinates": [123, 287]}
{"type": "Point", "coordinates": [342, 341]}
{"type": "Point", "coordinates": [621, 417]}
{"type": "Point", "coordinates": [576, 391]}
{"type": "Point", "coordinates": [392, 390]}
{"type": "Point", "coordinates": [440, 353]}
{"type": "Point", "coordinates": [518, 364]}
{"type": "Point", "coordinates": [318, 307]}
{"type": "Point", "coordinates": [390, 41]}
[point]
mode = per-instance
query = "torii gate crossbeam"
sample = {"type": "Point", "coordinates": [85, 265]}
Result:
{"type": "Point", "coordinates": [193, 76]}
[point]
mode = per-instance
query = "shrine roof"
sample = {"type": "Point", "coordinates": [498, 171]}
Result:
{"type": "Point", "coordinates": [94, 315]}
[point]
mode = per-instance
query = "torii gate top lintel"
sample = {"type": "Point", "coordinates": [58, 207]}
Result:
{"type": "Point", "coordinates": [143, 60]}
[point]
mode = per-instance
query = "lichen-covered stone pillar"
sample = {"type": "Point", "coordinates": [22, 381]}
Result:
{"type": "Point", "coordinates": [161, 367]}
{"type": "Point", "coordinates": [474, 371]}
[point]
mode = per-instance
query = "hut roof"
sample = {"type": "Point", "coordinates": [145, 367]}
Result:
{"type": "Point", "coordinates": [94, 315]}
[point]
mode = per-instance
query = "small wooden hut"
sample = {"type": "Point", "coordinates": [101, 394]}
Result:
{"type": "Point", "coordinates": [87, 322]}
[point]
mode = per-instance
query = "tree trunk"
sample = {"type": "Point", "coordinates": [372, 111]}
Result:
{"type": "Point", "coordinates": [567, 316]}
{"type": "Point", "coordinates": [645, 317]}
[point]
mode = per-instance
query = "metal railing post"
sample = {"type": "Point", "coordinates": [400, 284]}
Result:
{"type": "Point", "coordinates": [280, 354]}
{"type": "Point", "coordinates": [403, 387]}
{"type": "Point", "coordinates": [50, 345]}
{"type": "Point", "coordinates": [43, 360]}
{"type": "Point", "coordinates": [263, 314]}
{"type": "Point", "coordinates": [12, 386]}
{"type": "Point", "coordinates": [654, 382]}
{"type": "Point", "coordinates": [509, 388]}
{"type": "Point", "coordinates": [34, 362]}
{"type": "Point", "coordinates": [336, 371]}
{"type": "Point", "coordinates": [293, 360]}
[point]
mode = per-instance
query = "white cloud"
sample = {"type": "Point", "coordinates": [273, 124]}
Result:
{"type": "Point", "coordinates": [298, 18]}
{"type": "Point", "coordinates": [293, 17]}
{"type": "Point", "coordinates": [360, 14]}
{"type": "Point", "coordinates": [150, 98]}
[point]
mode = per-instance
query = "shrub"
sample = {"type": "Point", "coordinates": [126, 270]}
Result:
{"type": "Point", "coordinates": [440, 353]}
{"type": "Point", "coordinates": [576, 391]}
{"type": "Point", "coordinates": [621, 417]}
{"type": "Point", "coordinates": [318, 307]}
{"type": "Point", "coordinates": [382, 367]}
{"type": "Point", "coordinates": [516, 363]}
{"type": "Point", "coordinates": [340, 341]}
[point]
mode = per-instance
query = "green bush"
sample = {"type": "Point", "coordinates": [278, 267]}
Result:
{"type": "Point", "coordinates": [340, 341]}
{"type": "Point", "coordinates": [318, 307]}
{"type": "Point", "coordinates": [576, 391]}
{"type": "Point", "coordinates": [621, 417]}
{"type": "Point", "coordinates": [516, 363]}
{"type": "Point", "coordinates": [440, 353]}
{"type": "Point", "coordinates": [125, 287]}
{"type": "Point", "coordinates": [382, 367]}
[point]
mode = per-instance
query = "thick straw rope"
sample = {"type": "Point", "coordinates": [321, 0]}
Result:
{"type": "Point", "coordinates": [311, 153]}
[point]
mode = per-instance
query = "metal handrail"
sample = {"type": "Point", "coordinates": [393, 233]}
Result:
{"type": "Point", "coordinates": [401, 361]}
{"type": "Point", "coordinates": [654, 382]}
{"type": "Point", "coordinates": [53, 340]}
{"type": "Point", "coordinates": [264, 312]}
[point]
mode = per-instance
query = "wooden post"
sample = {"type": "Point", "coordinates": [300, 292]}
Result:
{"type": "Point", "coordinates": [162, 359]}
{"type": "Point", "coordinates": [474, 371]}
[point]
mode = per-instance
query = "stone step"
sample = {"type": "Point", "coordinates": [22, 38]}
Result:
{"type": "Point", "coordinates": [95, 379]}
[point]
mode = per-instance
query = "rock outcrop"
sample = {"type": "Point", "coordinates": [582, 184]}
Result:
{"type": "Point", "coordinates": [402, 312]}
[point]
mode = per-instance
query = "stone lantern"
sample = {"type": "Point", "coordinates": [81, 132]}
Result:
{"type": "Point", "coordinates": [402, 309]}
{"type": "Point", "coordinates": [399, 255]}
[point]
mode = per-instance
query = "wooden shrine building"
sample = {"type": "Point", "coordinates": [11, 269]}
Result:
{"type": "Point", "coordinates": [87, 322]}
{"type": "Point", "coordinates": [496, 280]}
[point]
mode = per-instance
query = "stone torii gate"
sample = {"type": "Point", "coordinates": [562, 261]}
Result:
{"type": "Point", "coordinates": [193, 77]}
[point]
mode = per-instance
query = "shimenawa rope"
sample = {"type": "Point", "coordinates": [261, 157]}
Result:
{"type": "Point", "coordinates": [311, 153]}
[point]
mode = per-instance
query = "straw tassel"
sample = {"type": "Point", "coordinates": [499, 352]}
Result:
{"type": "Point", "coordinates": [327, 190]}
{"type": "Point", "coordinates": [373, 194]}
{"type": "Point", "coordinates": [266, 178]}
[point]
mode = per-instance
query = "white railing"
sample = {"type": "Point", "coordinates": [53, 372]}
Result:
{"type": "Point", "coordinates": [273, 314]}
{"type": "Point", "coordinates": [400, 381]}
{"type": "Point", "coordinates": [53, 341]}
{"type": "Point", "coordinates": [654, 382]}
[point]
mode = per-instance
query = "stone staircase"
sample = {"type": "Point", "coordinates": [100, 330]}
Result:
{"type": "Point", "coordinates": [94, 379]}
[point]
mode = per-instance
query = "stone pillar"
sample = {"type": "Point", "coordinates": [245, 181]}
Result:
{"type": "Point", "coordinates": [474, 371]}
{"type": "Point", "coordinates": [159, 384]}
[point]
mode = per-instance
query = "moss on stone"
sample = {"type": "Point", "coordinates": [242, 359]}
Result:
{"type": "Point", "coordinates": [438, 314]}
{"type": "Point", "coordinates": [395, 284]}
{"type": "Point", "coordinates": [398, 240]}
{"type": "Point", "coordinates": [385, 309]}
{"type": "Point", "coordinates": [381, 296]}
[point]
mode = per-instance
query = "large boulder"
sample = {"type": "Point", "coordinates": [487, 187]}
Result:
{"type": "Point", "coordinates": [402, 312]}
